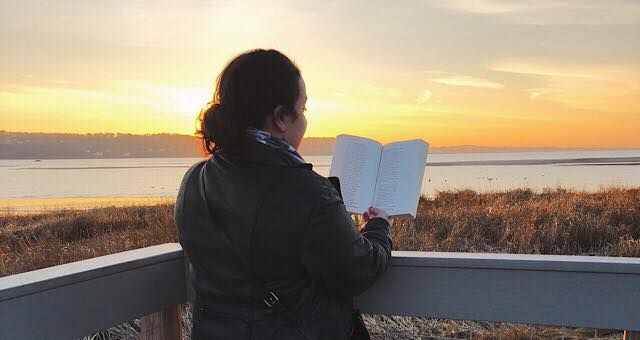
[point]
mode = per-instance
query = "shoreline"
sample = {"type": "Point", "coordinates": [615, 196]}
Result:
{"type": "Point", "coordinates": [37, 205]}
{"type": "Point", "coordinates": [610, 161]}
{"type": "Point", "coordinates": [442, 150]}
{"type": "Point", "coordinates": [595, 161]}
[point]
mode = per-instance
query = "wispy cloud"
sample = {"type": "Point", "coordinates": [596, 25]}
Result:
{"type": "Point", "coordinates": [183, 100]}
{"type": "Point", "coordinates": [596, 87]}
{"type": "Point", "coordinates": [144, 96]}
{"type": "Point", "coordinates": [467, 81]}
{"type": "Point", "coordinates": [378, 91]}
{"type": "Point", "coordinates": [56, 81]}
{"type": "Point", "coordinates": [565, 71]}
{"type": "Point", "coordinates": [533, 95]}
{"type": "Point", "coordinates": [424, 97]}
{"type": "Point", "coordinates": [482, 6]}
{"type": "Point", "coordinates": [576, 12]}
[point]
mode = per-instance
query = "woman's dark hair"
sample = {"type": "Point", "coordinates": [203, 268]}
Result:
{"type": "Point", "coordinates": [249, 88]}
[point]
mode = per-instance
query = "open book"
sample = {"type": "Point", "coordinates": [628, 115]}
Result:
{"type": "Point", "coordinates": [387, 177]}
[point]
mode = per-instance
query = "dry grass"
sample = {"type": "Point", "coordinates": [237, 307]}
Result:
{"type": "Point", "coordinates": [559, 222]}
{"type": "Point", "coordinates": [29, 242]}
{"type": "Point", "coordinates": [519, 221]}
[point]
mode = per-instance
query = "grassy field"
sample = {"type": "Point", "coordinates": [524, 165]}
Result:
{"type": "Point", "coordinates": [519, 221]}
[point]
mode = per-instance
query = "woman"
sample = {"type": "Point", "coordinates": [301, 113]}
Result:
{"type": "Point", "coordinates": [275, 255]}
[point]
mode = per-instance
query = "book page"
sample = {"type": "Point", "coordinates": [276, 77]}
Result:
{"type": "Point", "coordinates": [355, 162]}
{"type": "Point", "coordinates": [400, 176]}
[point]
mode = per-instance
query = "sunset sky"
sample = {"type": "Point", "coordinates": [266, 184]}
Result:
{"type": "Point", "coordinates": [486, 72]}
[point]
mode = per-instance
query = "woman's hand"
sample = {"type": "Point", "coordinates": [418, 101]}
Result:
{"type": "Point", "coordinates": [375, 212]}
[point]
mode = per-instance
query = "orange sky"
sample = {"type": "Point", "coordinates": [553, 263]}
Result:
{"type": "Point", "coordinates": [490, 72]}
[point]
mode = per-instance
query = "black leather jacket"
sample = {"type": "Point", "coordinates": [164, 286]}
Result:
{"type": "Point", "coordinates": [291, 227]}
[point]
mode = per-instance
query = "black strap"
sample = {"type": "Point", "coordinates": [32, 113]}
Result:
{"type": "Point", "coordinates": [269, 297]}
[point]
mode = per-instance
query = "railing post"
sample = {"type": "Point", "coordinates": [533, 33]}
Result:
{"type": "Point", "coordinates": [631, 335]}
{"type": "Point", "coordinates": [163, 325]}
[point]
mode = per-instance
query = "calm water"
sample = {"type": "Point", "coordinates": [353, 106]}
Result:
{"type": "Point", "coordinates": [160, 177]}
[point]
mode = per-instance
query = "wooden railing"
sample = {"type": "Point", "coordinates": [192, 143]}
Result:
{"type": "Point", "coordinates": [77, 299]}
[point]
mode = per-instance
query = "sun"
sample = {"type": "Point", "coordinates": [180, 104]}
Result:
{"type": "Point", "coordinates": [189, 102]}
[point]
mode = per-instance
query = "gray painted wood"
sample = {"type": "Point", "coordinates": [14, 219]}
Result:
{"type": "Point", "coordinates": [66, 302]}
{"type": "Point", "coordinates": [57, 276]}
{"type": "Point", "coordinates": [570, 298]}
{"type": "Point", "coordinates": [76, 299]}
{"type": "Point", "coordinates": [578, 291]}
{"type": "Point", "coordinates": [591, 264]}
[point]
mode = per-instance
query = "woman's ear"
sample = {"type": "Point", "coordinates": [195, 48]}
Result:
{"type": "Point", "coordinates": [279, 119]}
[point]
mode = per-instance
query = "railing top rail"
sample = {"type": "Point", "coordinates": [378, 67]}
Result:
{"type": "Point", "coordinates": [53, 277]}
{"type": "Point", "coordinates": [567, 263]}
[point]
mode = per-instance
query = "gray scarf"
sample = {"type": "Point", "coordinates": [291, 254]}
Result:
{"type": "Point", "coordinates": [272, 141]}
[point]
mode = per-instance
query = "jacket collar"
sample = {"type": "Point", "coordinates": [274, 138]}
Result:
{"type": "Point", "coordinates": [257, 153]}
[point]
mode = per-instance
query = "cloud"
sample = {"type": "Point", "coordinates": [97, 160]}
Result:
{"type": "Point", "coordinates": [55, 81]}
{"type": "Point", "coordinates": [372, 90]}
{"type": "Point", "coordinates": [467, 81]}
{"type": "Point", "coordinates": [481, 6]}
{"type": "Point", "coordinates": [135, 95]}
{"type": "Point", "coordinates": [603, 88]}
{"type": "Point", "coordinates": [541, 12]}
{"type": "Point", "coordinates": [533, 95]}
{"type": "Point", "coordinates": [424, 97]}
{"type": "Point", "coordinates": [184, 100]}
{"type": "Point", "coordinates": [565, 71]}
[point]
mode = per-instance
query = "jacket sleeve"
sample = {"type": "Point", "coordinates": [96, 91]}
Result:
{"type": "Point", "coordinates": [337, 254]}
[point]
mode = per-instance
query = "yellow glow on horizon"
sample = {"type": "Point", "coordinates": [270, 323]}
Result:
{"type": "Point", "coordinates": [446, 110]}
{"type": "Point", "coordinates": [448, 84]}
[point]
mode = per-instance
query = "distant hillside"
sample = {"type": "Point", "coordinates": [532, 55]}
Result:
{"type": "Point", "coordinates": [19, 145]}
{"type": "Point", "coordinates": [22, 145]}
{"type": "Point", "coordinates": [317, 146]}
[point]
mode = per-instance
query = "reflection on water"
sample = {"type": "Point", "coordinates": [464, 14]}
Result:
{"type": "Point", "coordinates": [24, 180]}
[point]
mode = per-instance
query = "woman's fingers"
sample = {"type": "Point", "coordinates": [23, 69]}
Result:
{"type": "Point", "coordinates": [375, 212]}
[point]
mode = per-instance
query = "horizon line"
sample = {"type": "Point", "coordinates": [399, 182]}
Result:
{"type": "Point", "coordinates": [333, 137]}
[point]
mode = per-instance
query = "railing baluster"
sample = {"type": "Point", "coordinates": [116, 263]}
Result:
{"type": "Point", "coordinates": [631, 335]}
{"type": "Point", "coordinates": [162, 325]}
